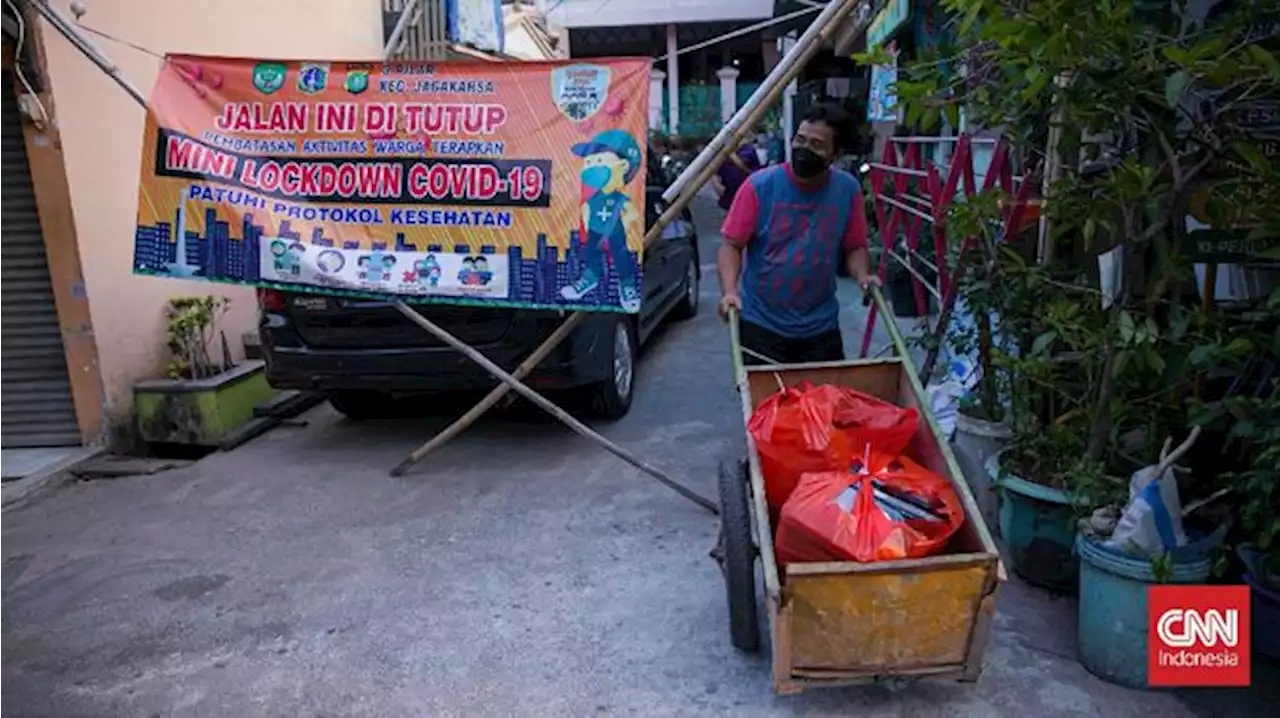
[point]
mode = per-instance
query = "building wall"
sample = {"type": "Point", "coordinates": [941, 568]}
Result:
{"type": "Point", "coordinates": [101, 134]}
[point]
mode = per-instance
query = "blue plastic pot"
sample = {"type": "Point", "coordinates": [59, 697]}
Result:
{"type": "Point", "coordinates": [1038, 526]}
{"type": "Point", "coordinates": [1265, 611]}
{"type": "Point", "coordinates": [1111, 628]}
{"type": "Point", "coordinates": [1264, 616]}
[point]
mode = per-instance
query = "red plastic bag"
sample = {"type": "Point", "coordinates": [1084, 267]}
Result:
{"type": "Point", "coordinates": [809, 428]}
{"type": "Point", "coordinates": [860, 516]}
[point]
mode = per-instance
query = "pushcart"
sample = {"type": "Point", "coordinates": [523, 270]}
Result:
{"type": "Point", "coordinates": [834, 624]}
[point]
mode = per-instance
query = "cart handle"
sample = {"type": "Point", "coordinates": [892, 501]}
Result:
{"type": "Point", "coordinates": [735, 346]}
{"type": "Point", "coordinates": [873, 294]}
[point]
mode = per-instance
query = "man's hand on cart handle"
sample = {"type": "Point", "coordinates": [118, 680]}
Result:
{"type": "Point", "coordinates": [729, 302]}
{"type": "Point", "coordinates": [865, 283]}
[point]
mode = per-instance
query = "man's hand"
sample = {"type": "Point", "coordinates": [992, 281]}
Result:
{"type": "Point", "coordinates": [727, 302]}
{"type": "Point", "coordinates": [866, 281]}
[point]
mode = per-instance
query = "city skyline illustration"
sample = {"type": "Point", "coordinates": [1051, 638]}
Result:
{"type": "Point", "coordinates": [218, 255]}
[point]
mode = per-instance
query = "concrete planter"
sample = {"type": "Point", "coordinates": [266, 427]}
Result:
{"type": "Point", "coordinates": [974, 443]}
{"type": "Point", "coordinates": [200, 412]}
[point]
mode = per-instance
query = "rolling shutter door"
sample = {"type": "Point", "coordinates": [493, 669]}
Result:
{"type": "Point", "coordinates": [35, 391]}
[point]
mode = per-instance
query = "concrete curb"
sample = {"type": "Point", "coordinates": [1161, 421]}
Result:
{"type": "Point", "coordinates": [25, 490]}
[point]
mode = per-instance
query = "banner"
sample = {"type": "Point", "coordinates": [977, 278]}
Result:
{"type": "Point", "coordinates": [502, 184]}
{"type": "Point", "coordinates": [882, 96]}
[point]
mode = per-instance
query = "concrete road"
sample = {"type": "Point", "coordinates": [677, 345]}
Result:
{"type": "Point", "coordinates": [523, 572]}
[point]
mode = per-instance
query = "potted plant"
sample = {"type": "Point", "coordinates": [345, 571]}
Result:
{"type": "Point", "coordinates": [1138, 113]}
{"type": "Point", "coordinates": [1259, 498]}
{"type": "Point", "coordinates": [201, 400]}
{"type": "Point", "coordinates": [1046, 477]}
{"type": "Point", "coordinates": [977, 340]}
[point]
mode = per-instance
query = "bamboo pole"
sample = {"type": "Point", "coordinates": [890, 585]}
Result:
{"type": "Point", "coordinates": [90, 50]}
{"type": "Point", "coordinates": [549, 407]}
{"type": "Point", "coordinates": [754, 112]}
{"type": "Point", "coordinates": [823, 28]}
{"type": "Point", "coordinates": [492, 398]}
{"type": "Point", "coordinates": [64, 27]}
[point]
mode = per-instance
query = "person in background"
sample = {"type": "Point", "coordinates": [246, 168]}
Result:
{"type": "Point", "coordinates": [653, 161]}
{"type": "Point", "coordinates": [734, 172]}
{"type": "Point", "coordinates": [775, 148]}
{"type": "Point", "coordinates": [788, 226]}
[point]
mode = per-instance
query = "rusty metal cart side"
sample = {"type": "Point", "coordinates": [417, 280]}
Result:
{"type": "Point", "coordinates": [848, 623]}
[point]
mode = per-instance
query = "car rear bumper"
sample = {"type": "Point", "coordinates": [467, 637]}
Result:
{"type": "Point", "coordinates": [293, 365]}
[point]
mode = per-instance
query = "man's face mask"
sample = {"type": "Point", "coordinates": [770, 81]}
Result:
{"type": "Point", "coordinates": [807, 163]}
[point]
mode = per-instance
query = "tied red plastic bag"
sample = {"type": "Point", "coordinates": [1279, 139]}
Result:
{"type": "Point", "coordinates": [809, 428]}
{"type": "Point", "coordinates": [892, 508]}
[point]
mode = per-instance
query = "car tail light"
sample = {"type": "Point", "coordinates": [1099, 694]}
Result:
{"type": "Point", "coordinates": [271, 300]}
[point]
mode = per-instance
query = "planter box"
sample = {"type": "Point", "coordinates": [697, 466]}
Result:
{"type": "Point", "coordinates": [200, 412]}
{"type": "Point", "coordinates": [974, 443]}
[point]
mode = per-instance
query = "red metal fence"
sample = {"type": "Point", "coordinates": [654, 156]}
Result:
{"type": "Point", "coordinates": [910, 191]}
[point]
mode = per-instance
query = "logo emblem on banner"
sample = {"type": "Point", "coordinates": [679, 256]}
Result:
{"type": "Point", "coordinates": [357, 81]}
{"type": "Point", "coordinates": [313, 77]}
{"type": "Point", "coordinates": [580, 90]}
{"type": "Point", "coordinates": [269, 76]}
{"type": "Point", "coordinates": [1198, 636]}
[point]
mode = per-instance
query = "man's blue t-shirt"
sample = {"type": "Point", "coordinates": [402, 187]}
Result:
{"type": "Point", "coordinates": [795, 236]}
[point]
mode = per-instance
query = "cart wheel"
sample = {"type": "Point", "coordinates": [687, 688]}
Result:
{"type": "Point", "coordinates": [738, 557]}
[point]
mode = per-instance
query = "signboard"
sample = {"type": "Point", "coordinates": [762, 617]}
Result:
{"type": "Point", "coordinates": [887, 21]}
{"type": "Point", "coordinates": [882, 99]}
{"type": "Point", "coordinates": [1238, 234]}
{"type": "Point", "coordinates": [499, 184]}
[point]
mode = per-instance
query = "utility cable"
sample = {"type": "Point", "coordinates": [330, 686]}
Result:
{"type": "Point", "coordinates": [20, 45]}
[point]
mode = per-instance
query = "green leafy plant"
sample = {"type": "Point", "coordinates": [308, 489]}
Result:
{"type": "Point", "coordinates": [1250, 415]}
{"type": "Point", "coordinates": [1256, 485]}
{"type": "Point", "coordinates": [1141, 115]}
{"type": "Point", "coordinates": [192, 327]}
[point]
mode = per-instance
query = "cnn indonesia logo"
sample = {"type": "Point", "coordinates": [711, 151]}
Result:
{"type": "Point", "coordinates": [1199, 636]}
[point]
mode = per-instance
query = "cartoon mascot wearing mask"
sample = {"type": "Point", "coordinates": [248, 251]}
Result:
{"type": "Point", "coordinates": [609, 162]}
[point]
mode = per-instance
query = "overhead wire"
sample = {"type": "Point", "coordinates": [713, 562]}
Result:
{"type": "Point", "coordinates": [113, 38]}
{"type": "Point", "coordinates": [43, 120]}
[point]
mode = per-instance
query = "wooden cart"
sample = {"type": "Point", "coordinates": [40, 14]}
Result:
{"type": "Point", "coordinates": [834, 624]}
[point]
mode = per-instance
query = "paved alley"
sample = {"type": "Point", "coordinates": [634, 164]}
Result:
{"type": "Point", "coordinates": [522, 572]}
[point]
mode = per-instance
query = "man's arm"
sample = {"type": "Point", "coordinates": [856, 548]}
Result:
{"type": "Point", "coordinates": [739, 226]}
{"type": "Point", "coordinates": [856, 257]}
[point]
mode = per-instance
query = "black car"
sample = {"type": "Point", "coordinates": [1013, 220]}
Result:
{"type": "Point", "coordinates": [362, 354]}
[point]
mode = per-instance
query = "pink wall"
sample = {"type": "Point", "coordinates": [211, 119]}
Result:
{"type": "Point", "coordinates": [102, 133]}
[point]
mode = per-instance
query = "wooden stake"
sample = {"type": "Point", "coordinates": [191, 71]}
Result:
{"type": "Point", "coordinates": [547, 346]}
{"type": "Point", "coordinates": [547, 406]}
{"type": "Point", "coordinates": [673, 211]}
{"type": "Point", "coordinates": [493, 397]}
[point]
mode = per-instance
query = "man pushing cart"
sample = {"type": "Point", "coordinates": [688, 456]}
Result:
{"type": "Point", "coordinates": [788, 228]}
{"type": "Point", "coordinates": [836, 622]}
